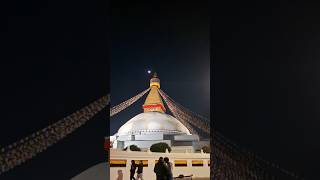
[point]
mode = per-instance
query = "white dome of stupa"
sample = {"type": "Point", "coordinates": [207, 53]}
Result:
{"type": "Point", "coordinates": [153, 123]}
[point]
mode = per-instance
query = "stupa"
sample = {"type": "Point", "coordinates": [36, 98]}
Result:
{"type": "Point", "coordinates": [154, 125]}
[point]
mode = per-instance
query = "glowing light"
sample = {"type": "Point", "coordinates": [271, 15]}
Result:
{"type": "Point", "coordinates": [149, 72]}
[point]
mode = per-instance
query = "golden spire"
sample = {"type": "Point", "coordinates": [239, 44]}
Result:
{"type": "Point", "coordinates": [155, 81]}
{"type": "Point", "coordinates": [153, 101]}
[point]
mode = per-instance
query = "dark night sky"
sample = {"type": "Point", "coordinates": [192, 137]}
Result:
{"type": "Point", "coordinates": [171, 39]}
{"type": "Point", "coordinates": [266, 80]}
{"type": "Point", "coordinates": [53, 62]}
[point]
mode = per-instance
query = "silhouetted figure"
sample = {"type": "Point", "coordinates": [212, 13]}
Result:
{"type": "Point", "coordinates": [169, 168]}
{"type": "Point", "coordinates": [140, 171]}
{"type": "Point", "coordinates": [161, 169]}
{"type": "Point", "coordinates": [132, 170]}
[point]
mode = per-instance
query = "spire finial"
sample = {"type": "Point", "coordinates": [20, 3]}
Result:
{"type": "Point", "coordinates": [155, 81]}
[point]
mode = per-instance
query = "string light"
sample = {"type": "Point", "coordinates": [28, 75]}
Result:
{"type": "Point", "coordinates": [116, 109]}
{"type": "Point", "coordinates": [25, 149]}
{"type": "Point", "coordinates": [185, 115]}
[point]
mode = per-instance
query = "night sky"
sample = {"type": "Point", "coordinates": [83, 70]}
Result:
{"type": "Point", "coordinates": [53, 62]}
{"type": "Point", "coordinates": [266, 80]}
{"type": "Point", "coordinates": [169, 38]}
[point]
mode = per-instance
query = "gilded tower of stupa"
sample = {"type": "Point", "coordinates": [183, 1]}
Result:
{"type": "Point", "coordinates": [153, 102]}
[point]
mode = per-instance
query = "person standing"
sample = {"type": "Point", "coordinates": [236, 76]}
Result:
{"type": "Point", "coordinates": [140, 171]}
{"type": "Point", "coordinates": [132, 170]}
{"type": "Point", "coordinates": [161, 169]}
{"type": "Point", "coordinates": [169, 168]}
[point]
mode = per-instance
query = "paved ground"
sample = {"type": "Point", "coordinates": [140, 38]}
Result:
{"type": "Point", "coordinates": [97, 172]}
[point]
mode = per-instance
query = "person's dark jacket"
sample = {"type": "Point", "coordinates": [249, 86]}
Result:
{"type": "Point", "coordinates": [140, 169]}
{"type": "Point", "coordinates": [169, 169]}
{"type": "Point", "coordinates": [161, 170]}
{"type": "Point", "coordinates": [133, 168]}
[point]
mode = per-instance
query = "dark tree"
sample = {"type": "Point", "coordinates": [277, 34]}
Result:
{"type": "Point", "coordinates": [133, 148]}
{"type": "Point", "coordinates": [160, 147]}
{"type": "Point", "coordinates": [206, 149]}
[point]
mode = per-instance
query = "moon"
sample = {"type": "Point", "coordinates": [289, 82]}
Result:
{"type": "Point", "coordinates": [149, 71]}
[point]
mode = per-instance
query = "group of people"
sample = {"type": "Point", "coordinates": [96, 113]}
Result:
{"type": "Point", "coordinates": [162, 169]}
{"type": "Point", "coordinates": [139, 168]}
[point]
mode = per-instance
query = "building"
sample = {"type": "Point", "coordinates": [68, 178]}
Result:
{"type": "Point", "coordinates": [196, 165]}
{"type": "Point", "coordinates": [154, 125]}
